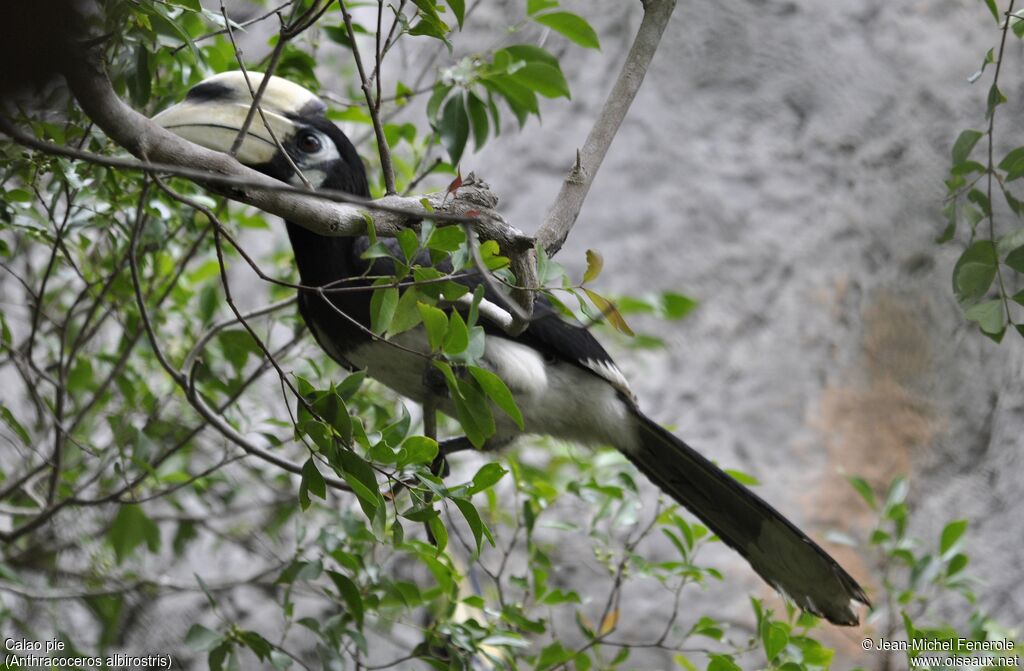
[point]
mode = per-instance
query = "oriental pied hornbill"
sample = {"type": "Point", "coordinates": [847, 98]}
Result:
{"type": "Point", "coordinates": [564, 382]}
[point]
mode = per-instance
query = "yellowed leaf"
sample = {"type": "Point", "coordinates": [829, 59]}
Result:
{"type": "Point", "coordinates": [609, 311]}
{"type": "Point", "coordinates": [609, 622]}
{"type": "Point", "coordinates": [594, 265]}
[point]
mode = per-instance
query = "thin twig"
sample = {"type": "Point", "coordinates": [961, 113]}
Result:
{"type": "Point", "coordinates": [374, 106]}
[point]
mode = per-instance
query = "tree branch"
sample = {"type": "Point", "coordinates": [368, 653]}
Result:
{"type": "Point", "coordinates": [567, 205]}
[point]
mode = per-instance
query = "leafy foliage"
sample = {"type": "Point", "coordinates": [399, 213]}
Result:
{"type": "Point", "coordinates": [988, 278]}
{"type": "Point", "coordinates": [338, 542]}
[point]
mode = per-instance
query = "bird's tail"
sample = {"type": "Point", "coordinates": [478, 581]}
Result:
{"type": "Point", "coordinates": [780, 553]}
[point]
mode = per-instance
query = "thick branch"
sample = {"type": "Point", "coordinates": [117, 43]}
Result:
{"type": "Point", "coordinates": [567, 205]}
{"type": "Point", "coordinates": [317, 212]}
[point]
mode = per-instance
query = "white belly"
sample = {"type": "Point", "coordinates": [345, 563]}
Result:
{"type": "Point", "coordinates": [557, 399]}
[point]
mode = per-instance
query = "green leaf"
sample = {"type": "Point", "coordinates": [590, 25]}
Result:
{"type": "Point", "coordinates": [1013, 164]}
{"type": "Point", "coordinates": [571, 26]}
{"type": "Point", "coordinates": [530, 54]}
{"type": "Point", "coordinates": [865, 491]}
{"type": "Point", "coordinates": [260, 646]}
{"type": "Point", "coordinates": [458, 9]}
{"type": "Point", "coordinates": [478, 119]}
{"type": "Point", "coordinates": [237, 345]}
{"type": "Point", "coordinates": [454, 127]}
{"type": "Point", "coordinates": [14, 425]}
{"type": "Point", "coordinates": [485, 478]}
{"type": "Point", "coordinates": [975, 270]}
{"type": "Point", "coordinates": [312, 481]}
{"type": "Point", "coordinates": [742, 478]}
{"type": "Point", "coordinates": [544, 79]}
{"type": "Point", "coordinates": [775, 638]}
{"type": "Point", "coordinates": [476, 525]}
{"type": "Point", "coordinates": [992, 8]}
{"type": "Point", "coordinates": [957, 563]}
{"type": "Point", "coordinates": [496, 390]}
{"type": "Point", "coordinates": [436, 322]}
{"type": "Point", "coordinates": [440, 533]}
{"type": "Point", "coordinates": [349, 591]}
{"type": "Point", "coordinates": [964, 144]}
{"type": "Point", "coordinates": [520, 99]}
{"type": "Point", "coordinates": [951, 534]}
{"type": "Point", "coordinates": [534, 6]}
{"type": "Point", "coordinates": [456, 339]}
{"type": "Point", "coordinates": [407, 314]}
{"type": "Point", "coordinates": [383, 305]}
{"type": "Point", "coordinates": [418, 450]}
{"type": "Point", "coordinates": [131, 528]}
{"type": "Point", "coordinates": [995, 98]}
{"type": "Point", "coordinates": [358, 473]}
{"type": "Point", "coordinates": [989, 315]}
{"type": "Point", "coordinates": [446, 238]}
{"type": "Point", "coordinates": [722, 663]}
{"type": "Point", "coordinates": [676, 306]}
{"type": "Point", "coordinates": [202, 639]}
{"type": "Point", "coordinates": [473, 412]}
{"type": "Point", "coordinates": [1015, 259]}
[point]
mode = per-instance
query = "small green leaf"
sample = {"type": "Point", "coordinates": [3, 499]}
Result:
{"type": "Point", "coordinates": [485, 478]}
{"type": "Point", "coordinates": [476, 525]}
{"type": "Point", "coordinates": [775, 638]}
{"type": "Point", "coordinates": [202, 639]}
{"type": "Point", "coordinates": [14, 425]}
{"type": "Point", "coordinates": [951, 534]}
{"type": "Point", "coordinates": [436, 322]}
{"type": "Point", "coordinates": [312, 481]}
{"type": "Point", "coordinates": [478, 119]}
{"type": "Point", "coordinates": [990, 316]}
{"type": "Point", "coordinates": [349, 591]}
{"type": "Point", "coordinates": [383, 305]}
{"type": "Point", "coordinates": [407, 314]}
{"type": "Point", "coordinates": [964, 144]}
{"type": "Point", "coordinates": [458, 9]}
{"type": "Point", "coordinates": [957, 563]}
{"type": "Point", "coordinates": [544, 79]}
{"type": "Point", "coordinates": [1015, 259]}
{"type": "Point", "coordinates": [456, 339]}
{"type": "Point", "coordinates": [131, 528]}
{"type": "Point", "coordinates": [865, 491]}
{"type": "Point", "coordinates": [994, 9]}
{"type": "Point", "coordinates": [446, 238]}
{"type": "Point", "coordinates": [571, 26]}
{"type": "Point", "coordinates": [454, 127]}
{"type": "Point", "coordinates": [975, 270]}
{"type": "Point", "coordinates": [418, 450]}
{"type": "Point", "coordinates": [676, 306]}
{"type": "Point", "coordinates": [995, 98]}
{"type": "Point", "coordinates": [534, 6]}
{"type": "Point", "coordinates": [498, 391]}
{"type": "Point", "coordinates": [1013, 164]}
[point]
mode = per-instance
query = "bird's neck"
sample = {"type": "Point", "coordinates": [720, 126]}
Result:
{"type": "Point", "coordinates": [320, 259]}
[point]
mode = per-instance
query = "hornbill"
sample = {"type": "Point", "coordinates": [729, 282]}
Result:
{"type": "Point", "coordinates": [563, 381]}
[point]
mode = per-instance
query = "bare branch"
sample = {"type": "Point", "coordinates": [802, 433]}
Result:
{"type": "Point", "coordinates": [372, 103]}
{"type": "Point", "coordinates": [567, 205]}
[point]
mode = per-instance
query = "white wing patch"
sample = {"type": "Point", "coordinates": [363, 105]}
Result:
{"type": "Point", "coordinates": [609, 371]}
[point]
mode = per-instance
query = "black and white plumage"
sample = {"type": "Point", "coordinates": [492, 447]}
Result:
{"type": "Point", "coordinates": [564, 382]}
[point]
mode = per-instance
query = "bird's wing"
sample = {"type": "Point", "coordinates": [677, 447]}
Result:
{"type": "Point", "coordinates": [549, 333]}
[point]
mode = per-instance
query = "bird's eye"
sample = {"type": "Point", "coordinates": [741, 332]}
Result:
{"type": "Point", "coordinates": [309, 143]}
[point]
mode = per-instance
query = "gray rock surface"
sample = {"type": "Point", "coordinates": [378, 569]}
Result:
{"type": "Point", "coordinates": [783, 164]}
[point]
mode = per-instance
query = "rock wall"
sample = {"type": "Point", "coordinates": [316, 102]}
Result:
{"type": "Point", "coordinates": [783, 164]}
